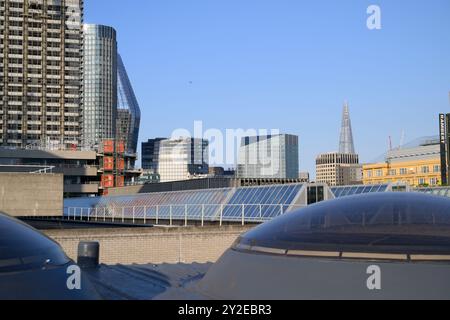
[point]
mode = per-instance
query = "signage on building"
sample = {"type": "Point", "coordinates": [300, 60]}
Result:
{"type": "Point", "coordinates": [444, 138]}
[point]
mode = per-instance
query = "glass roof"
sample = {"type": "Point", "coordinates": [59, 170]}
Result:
{"type": "Point", "coordinates": [443, 192]}
{"type": "Point", "coordinates": [354, 190]}
{"type": "Point", "coordinates": [379, 222]}
{"type": "Point", "coordinates": [253, 203]}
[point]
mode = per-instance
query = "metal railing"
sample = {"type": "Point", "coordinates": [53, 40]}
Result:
{"type": "Point", "coordinates": [168, 214]}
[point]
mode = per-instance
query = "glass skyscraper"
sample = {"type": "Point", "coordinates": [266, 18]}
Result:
{"type": "Point", "coordinates": [100, 84]}
{"type": "Point", "coordinates": [273, 157]}
{"type": "Point", "coordinates": [176, 159]}
{"type": "Point", "coordinates": [129, 113]}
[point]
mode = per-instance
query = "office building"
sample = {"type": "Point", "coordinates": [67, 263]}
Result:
{"type": "Point", "coordinates": [416, 166]}
{"type": "Point", "coordinates": [150, 154]}
{"type": "Point", "coordinates": [129, 112]}
{"type": "Point", "coordinates": [100, 84]}
{"type": "Point", "coordinates": [176, 159]}
{"type": "Point", "coordinates": [41, 73]}
{"type": "Point", "coordinates": [273, 156]}
{"type": "Point", "coordinates": [337, 169]}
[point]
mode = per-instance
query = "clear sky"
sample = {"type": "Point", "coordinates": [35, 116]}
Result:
{"type": "Point", "coordinates": [288, 65]}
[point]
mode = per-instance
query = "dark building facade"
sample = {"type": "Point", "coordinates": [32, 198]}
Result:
{"type": "Point", "coordinates": [150, 154]}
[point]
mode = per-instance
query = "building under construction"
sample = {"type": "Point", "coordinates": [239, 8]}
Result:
{"type": "Point", "coordinates": [86, 172]}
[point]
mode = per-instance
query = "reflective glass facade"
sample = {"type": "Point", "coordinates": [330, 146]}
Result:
{"type": "Point", "coordinates": [100, 84]}
{"type": "Point", "coordinates": [129, 118]}
{"type": "Point", "coordinates": [269, 157]}
{"type": "Point", "coordinates": [182, 159]}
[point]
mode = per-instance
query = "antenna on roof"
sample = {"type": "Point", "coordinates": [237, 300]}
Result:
{"type": "Point", "coordinates": [402, 139]}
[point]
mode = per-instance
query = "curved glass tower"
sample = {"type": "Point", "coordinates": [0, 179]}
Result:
{"type": "Point", "coordinates": [129, 113]}
{"type": "Point", "coordinates": [100, 84]}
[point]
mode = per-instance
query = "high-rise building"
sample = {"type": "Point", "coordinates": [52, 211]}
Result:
{"type": "Point", "coordinates": [100, 84]}
{"type": "Point", "coordinates": [272, 156]}
{"type": "Point", "coordinates": [40, 72]}
{"type": "Point", "coordinates": [150, 154]}
{"type": "Point", "coordinates": [340, 168]}
{"type": "Point", "coordinates": [176, 159]}
{"type": "Point", "coordinates": [346, 144]}
{"type": "Point", "coordinates": [129, 112]}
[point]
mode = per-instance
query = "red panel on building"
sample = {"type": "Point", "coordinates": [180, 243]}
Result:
{"type": "Point", "coordinates": [108, 146]}
{"type": "Point", "coordinates": [108, 163]}
{"type": "Point", "coordinates": [120, 147]}
{"type": "Point", "coordinates": [120, 181]}
{"type": "Point", "coordinates": [108, 181]}
{"type": "Point", "coordinates": [120, 164]}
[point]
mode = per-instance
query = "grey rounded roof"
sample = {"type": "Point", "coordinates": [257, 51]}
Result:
{"type": "Point", "coordinates": [23, 248]}
{"type": "Point", "coordinates": [409, 223]}
{"type": "Point", "coordinates": [34, 267]}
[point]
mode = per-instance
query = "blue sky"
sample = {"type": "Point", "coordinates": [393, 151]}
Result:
{"type": "Point", "coordinates": [286, 64]}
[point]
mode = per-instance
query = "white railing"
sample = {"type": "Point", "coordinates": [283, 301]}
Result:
{"type": "Point", "coordinates": [167, 214]}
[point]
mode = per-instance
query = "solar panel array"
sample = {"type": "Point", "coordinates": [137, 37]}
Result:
{"type": "Point", "coordinates": [340, 192]}
{"type": "Point", "coordinates": [231, 204]}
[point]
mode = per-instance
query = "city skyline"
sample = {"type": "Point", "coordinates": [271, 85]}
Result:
{"type": "Point", "coordinates": [287, 66]}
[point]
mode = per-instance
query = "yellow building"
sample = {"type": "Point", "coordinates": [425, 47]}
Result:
{"type": "Point", "coordinates": [419, 166]}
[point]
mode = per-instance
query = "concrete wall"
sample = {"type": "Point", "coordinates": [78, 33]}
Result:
{"type": "Point", "coordinates": [25, 194]}
{"type": "Point", "coordinates": [152, 245]}
{"type": "Point", "coordinates": [37, 154]}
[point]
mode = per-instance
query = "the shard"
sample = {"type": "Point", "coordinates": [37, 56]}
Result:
{"type": "Point", "coordinates": [128, 113]}
{"type": "Point", "coordinates": [346, 144]}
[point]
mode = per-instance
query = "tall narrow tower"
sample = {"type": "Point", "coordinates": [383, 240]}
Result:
{"type": "Point", "coordinates": [346, 145]}
{"type": "Point", "coordinates": [129, 112]}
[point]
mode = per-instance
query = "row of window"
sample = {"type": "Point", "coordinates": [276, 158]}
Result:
{"type": "Point", "coordinates": [403, 171]}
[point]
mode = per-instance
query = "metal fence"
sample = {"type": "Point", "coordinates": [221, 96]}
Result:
{"type": "Point", "coordinates": [168, 214]}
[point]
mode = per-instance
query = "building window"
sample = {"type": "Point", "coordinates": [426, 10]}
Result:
{"type": "Point", "coordinates": [422, 181]}
{"type": "Point", "coordinates": [403, 171]}
{"type": "Point", "coordinates": [392, 172]}
{"type": "Point", "coordinates": [434, 181]}
{"type": "Point", "coordinates": [379, 173]}
{"type": "Point", "coordinates": [369, 173]}
{"type": "Point", "coordinates": [425, 169]}
{"type": "Point", "coordinates": [437, 168]}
